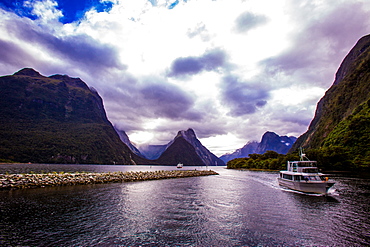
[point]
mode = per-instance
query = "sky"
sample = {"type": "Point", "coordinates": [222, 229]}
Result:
{"type": "Point", "coordinates": [229, 69]}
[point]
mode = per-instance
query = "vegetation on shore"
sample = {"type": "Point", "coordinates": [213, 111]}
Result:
{"type": "Point", "coordinates": [332, 158]}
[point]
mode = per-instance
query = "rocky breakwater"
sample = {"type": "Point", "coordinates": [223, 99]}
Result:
{"type": "Point", "coordinates": [20, 181]}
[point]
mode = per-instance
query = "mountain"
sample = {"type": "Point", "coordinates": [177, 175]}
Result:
{"type": "Point", "coordinates": [152, 152]}
{"type": "Point", "coordinates": [180, 151]}
{"type": "Point", "coordinates": [342, 117]}
{"type": "Point", "coordinates": [126, 140]}
{"type": "Point", "coordinates": [56, 119]}
{"type": "Point", "coordinates": [207, 157]}
{"type": "Point", "coordinates": [177, 151]}
{"type": "Point", "coordinates": [270, 142]}
{"type": "Point", "coordinates": [249, 148]}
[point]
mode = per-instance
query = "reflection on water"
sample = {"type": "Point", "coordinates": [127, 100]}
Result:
{"type": "Point", "coordinates": [235, 208]}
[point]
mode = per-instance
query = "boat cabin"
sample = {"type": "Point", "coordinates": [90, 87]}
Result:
{"type": "Point", "coordinates": [302, 166]}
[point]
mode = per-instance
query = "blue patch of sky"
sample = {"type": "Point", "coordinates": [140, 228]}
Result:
{"type": "Point", "coordinates": [18, 7]}
{"type": "Point", "coordinates": [72, 10]}
{"type": "Point", "coordinates": [173, 5]}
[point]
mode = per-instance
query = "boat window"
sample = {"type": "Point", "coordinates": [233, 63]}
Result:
{"type": "Point", "coordinates": [307, 164]}
{"type": "Point", "coordinates": [311, 178]}
{"type": "Point", "coordinates": [286, 176]}
{"type": "Point", "coordinates": [310, 170]}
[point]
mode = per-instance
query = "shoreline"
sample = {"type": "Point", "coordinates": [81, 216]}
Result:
{"type": "Point", "coordinates": [24, 181]}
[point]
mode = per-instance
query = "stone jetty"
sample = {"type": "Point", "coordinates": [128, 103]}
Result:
{"type": "Point", "coordinates": [20, 181]}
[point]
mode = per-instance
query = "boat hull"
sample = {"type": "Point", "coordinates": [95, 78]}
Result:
{"type": "Point", "coordinates": [316, 187]}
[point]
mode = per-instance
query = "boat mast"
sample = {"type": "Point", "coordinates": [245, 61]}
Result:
{"type": "Point", "coordinates": [302, 155]}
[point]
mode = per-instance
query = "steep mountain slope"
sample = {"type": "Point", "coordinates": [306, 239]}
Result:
{"type": "Point", "coordinates": [126, 140]}
{"type": "Point", "coordinates": [197, 153]}
{"type": "Point", "coordinates": [180, 151]}
{"type": "Point", "coordinates": [270, 142]}
{"type": "Point", "coordinates": [55, 119]}
{"type": "Point", "coordinates": [207, 157]}
{"type": "Point", "coordinates": [351, 89]}
{"type": "Point", "coordinates": [353, 135]}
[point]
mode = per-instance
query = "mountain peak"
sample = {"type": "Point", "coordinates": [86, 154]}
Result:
{"type": "Point", "coordinates": [270, 142]}
{"type": "Point", "coordinates": [187, 134]}
{"type": "Point", "coordinates": [28, 72]}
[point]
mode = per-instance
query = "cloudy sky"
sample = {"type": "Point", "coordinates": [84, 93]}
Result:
{"type": "Point", "coordinates": [229, 69]}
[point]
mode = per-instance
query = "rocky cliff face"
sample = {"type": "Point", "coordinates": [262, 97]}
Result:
{"type": "Point", "coordinates": [350, 89]}
{"type": "Point", "coordinates": [270, 142]}
{"type": "Point", "coordinates": [55, 119]}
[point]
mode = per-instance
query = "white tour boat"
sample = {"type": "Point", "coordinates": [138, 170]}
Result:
{"type": "Point", "coordinates": [304, 176]}
{"type": "Point", "coordinates": [179, 165]}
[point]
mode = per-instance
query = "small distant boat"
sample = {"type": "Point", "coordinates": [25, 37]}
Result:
{"type": "Point", "coordinates": [304, 176]}
{"type": "Point", "coordinates": [179, 165]}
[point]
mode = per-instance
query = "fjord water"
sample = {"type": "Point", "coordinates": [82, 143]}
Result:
{"type": "Point", "coordinates": [235, 208]}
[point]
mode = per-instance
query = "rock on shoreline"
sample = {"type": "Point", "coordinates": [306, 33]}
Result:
{"type": "Point", "coordinates": [20, 181]}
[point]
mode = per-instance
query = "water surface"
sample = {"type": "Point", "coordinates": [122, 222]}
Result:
{"type": "Point", "coordinates": [235, 208]}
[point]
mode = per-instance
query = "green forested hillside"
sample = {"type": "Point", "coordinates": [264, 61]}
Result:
{"type": "Point", "coordinates": [351, 89]}
{"type": "Point", "coordinates": [352, 135]}
{"type": "Point", "coordinates": [341, 122]}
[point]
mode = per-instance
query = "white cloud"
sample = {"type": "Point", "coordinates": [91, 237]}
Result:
{"type": "Point", "coordinates": [255, 66]}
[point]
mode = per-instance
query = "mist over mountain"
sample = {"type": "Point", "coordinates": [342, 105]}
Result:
{"type": "Point", "coordinates": [152, 152]}
{"type": "Point", "coordinates": [125, 139]}
{"type": "Point", "coordinates": [270, 141]}
{"type": "Point", "coordinates": [56, 119]}
{"type": "Point", "coordinates": [247, 149]}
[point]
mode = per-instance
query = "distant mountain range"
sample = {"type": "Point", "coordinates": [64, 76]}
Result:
{"type": "Point", "coordinates": [59, 119]}
{"type": "Point", "coordinates": [270, 142]}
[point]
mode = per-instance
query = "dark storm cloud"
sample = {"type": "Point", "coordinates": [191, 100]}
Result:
{"type": "Point", "coordinates": [81, 49]}
{"type": "Point", "coordinates": [138, 100]}
{"type": "Point", "coordinates": [168, 101]}
{"type": "Point", "coordinates": [247, 21]}
{"type": "Point", "coordinates": [243, 97]}
{"type": "Point", "coordinates": [210, 61]}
